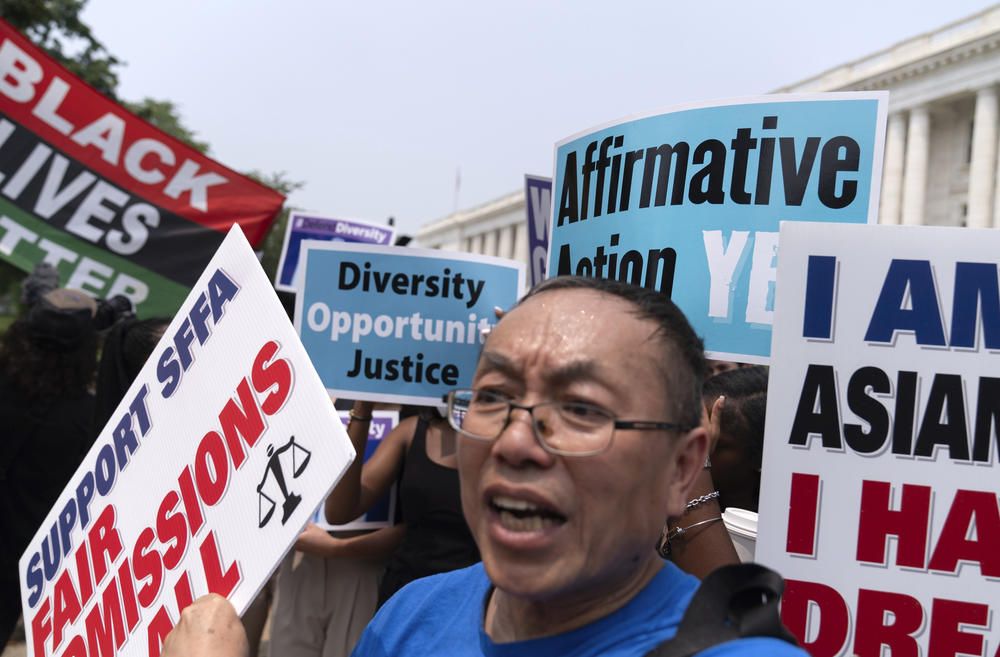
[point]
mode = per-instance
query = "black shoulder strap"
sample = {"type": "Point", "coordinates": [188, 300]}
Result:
{"type": "Point", "coordinates": [735, 601]}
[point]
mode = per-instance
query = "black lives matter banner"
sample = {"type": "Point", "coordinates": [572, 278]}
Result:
{"type": "Point", "coordinates": [116, 205]}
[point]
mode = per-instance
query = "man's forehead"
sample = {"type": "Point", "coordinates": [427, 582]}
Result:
{"type": "Point", "coordinates": [581, 331]}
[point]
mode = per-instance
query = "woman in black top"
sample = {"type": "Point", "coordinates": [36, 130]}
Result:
{"type": "Point", "coordinates": [420, 453]}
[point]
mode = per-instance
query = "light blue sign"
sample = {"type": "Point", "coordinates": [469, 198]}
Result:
{"type": "Point", "coordinates": [689, 202]}
{"type": "Point", "coordinates": [308, 226]}
{"type": "Point", "coordinates": [399, 324]}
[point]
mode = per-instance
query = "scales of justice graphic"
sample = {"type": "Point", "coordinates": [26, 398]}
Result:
{"type": "Point", "coordinates": [274, 482]}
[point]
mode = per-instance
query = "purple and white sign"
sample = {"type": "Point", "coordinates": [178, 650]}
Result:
{"type": "Point", "coordinates": [538, 194]}
{"type": "Point", "coordinates": [382, 514]}
{"type": "Point", "coordinates": [309, 226]}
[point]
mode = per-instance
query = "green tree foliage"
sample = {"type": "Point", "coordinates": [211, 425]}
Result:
{"type": "Point", "coordinates": [55, 27]}
{"type": "Point", "coordinates": [275, 237]}
{"type": "Point", "coordinates": [165, 116]}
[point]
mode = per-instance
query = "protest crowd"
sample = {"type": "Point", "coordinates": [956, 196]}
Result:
{"type": "Point", "coordinates": [332, 584]}
{"type": "Point", "coordinates": [670, 443]}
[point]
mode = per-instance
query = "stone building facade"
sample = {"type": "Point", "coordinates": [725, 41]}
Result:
{"type": "Point", "coordinates": [941, 157]}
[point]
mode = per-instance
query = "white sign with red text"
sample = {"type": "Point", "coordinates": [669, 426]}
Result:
{"type": "Point", "coordinates": [217, 456]}
{"type": "Point", "coordinates": [879, 492]}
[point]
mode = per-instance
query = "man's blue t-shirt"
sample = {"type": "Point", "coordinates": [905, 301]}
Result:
{"type": "Point", "coordinates": [443, 615]}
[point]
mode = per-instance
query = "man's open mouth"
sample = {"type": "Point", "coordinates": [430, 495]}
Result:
{"type": "Point", "coordinates": [524, 516]}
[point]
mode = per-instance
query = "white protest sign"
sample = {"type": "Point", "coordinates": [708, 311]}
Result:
{"type": "Point", "coordinates": [879, 491]}
{"type": "Point", "coordinates": [217, 456]}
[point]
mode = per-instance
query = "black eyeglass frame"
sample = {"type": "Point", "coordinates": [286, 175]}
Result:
{"type": "Point", "coordinates": [636, 425]}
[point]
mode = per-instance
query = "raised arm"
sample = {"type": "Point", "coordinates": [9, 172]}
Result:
{"type": "Point", "coordinates": [363, 485]}
{"type": "Point", "coordinates": [377, 545]}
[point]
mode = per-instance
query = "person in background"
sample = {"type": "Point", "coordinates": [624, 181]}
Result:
{"type": "Point", "coordinates": [720, 366]}
{"type": "Point", "coordinates": [127, 346]}
{"type": "Point", "coordinates": [420, 454]}
{"type": "Point", "coordinates": [47, 362]}
{"type": "Point", "coordinates": [327, 590]}
{"type": "Point", "coordinates": [735, 404]}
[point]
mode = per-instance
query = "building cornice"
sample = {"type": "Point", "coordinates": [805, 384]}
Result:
{"type": "Point", "coordinates": [473, 216]}
{"type": "Point", "coordinates": [921, 55]}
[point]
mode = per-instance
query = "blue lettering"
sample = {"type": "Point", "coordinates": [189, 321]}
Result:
{"type": "Point", "coordinates": [85, 493]}
{"type": "Point", "coordinates": [33, 578]}
{"type": "Point", "coordinates": [911, 279]}
{"type": "Point", "coordinates": [820, 288]}
{"type": "Point", "coordinates": [168, 372]}
{"type": "Point", "coordinates": [975, 287]}
{"type": "Point", "coordinates": [221, 289]}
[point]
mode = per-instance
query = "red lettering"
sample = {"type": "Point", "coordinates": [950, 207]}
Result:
{"type": "Point", "coordinates": [83, 574]}
{"type": "Point", "coordinates": [147, 564]}
{"type": "Point", "coordinates": [266, 375]}
{"type": "Point", "coordinates": [171, 528]}
{"type": "Point", "coordinates": [67, 606]}
{"type": "Point", "coordinates": [192, 506]}
{"type": "Point", "coordinates": [41, 628]}
{"type": "Point", "coordinates": [907, 616]}
{"type": "Point", "coordinates": [211, 468]}
{"type": "Point", "coordinates": [182, 592]}
{"type": "Point", "coordinates": [129, 602]}
{"type": "Point", "coordinates": [157, 631]}
{"type": "Point", "coordinates": [970, 507]}
{"type": "Point", "coordinates": [76, 648]}
{"type": "Point", "coordinates": [877, 522]}
{"type": "Point", "coordinates": [218, 582]}
{"type": "Point", "coordinates": [834, 617]}
{"type": "Point", "coordinates": [803, 509]}
{"type": "Point", "coordinates": [947, 618]}
{"type": "Point", "coordinates": [246, 421]}
{"type": "Point", "coordinates": [105, 543]}
{"type": "Point", "coordinates": [102, 629]}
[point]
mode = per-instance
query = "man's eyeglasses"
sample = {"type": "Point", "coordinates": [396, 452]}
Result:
{"type": "Point", "coordinates": [565, 428]}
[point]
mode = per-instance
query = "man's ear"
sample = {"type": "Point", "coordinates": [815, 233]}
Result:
{"type": "Point", "coordinates": [688, 458]}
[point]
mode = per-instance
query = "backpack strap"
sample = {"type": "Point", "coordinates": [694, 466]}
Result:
{"type": "Point", "coordinates": [734, 601]}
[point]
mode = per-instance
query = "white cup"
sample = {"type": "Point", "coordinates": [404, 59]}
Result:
{"type": "Point", "coordinates": [742, 526]}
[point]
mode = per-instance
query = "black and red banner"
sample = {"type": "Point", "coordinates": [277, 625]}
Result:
{"type": "Point", "coordinates": [117, 205]}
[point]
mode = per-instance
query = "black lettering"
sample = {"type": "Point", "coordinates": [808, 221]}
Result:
{"type": "Point", "coordinates": [795, 177]}
{"type": "Point", "coordinates": [819, 386]}
{"type": "Point", "coordinates": [868, 409]}
{"type": "Point", "coordinates": [664, 155]}
{"type": "Point", "coordinates": [741, 145]}
{"type": "Point", "coordinates": [946, 398]}
{"type": "Point", "coordinates": [706, 183]}
{"type": "Point", "coordinates": [830, 164]}
{"type": "Point", "coordinates": [987, 419]}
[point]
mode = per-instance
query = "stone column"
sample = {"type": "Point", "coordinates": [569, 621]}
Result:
{"type": "Point", "coordinates": [521, 242]}
{"type": "Point", "coordinates": [982, 170]}
{"type": "Point", "coordinates": [507, 241]}
{"type": "Point", "coordinates": [892, 170]}
{"type": "Point", "coordinates": [915, 173]}
{"type": "Point", "coordinates": [490, 243]}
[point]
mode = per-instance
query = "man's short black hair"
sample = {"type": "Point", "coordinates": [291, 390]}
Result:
{"type": "Point", "coordinates": [683, 363]}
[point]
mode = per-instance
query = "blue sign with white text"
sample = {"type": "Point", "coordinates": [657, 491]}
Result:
{"type": "Point", "coordinates": [399, 324]}
{"type": "Point", "coordinates": [689, 202]}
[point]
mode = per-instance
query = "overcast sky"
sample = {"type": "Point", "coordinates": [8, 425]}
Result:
{"type": "Point", "coordinates": [376, 105]}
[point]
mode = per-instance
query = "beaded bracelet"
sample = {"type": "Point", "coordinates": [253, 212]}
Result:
{"type": "Point", "coordinates": [700, 500]}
